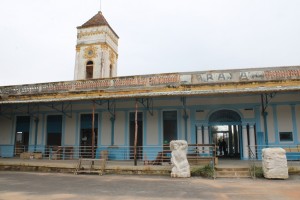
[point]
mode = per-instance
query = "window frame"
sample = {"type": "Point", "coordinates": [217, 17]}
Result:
{"type": "Point", "coordinates": [290, 139]}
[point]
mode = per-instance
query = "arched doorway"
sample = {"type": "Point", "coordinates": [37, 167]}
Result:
{"type": "Point", "coordinates": [225, 129]}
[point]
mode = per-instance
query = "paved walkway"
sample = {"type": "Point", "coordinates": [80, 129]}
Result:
{"type": "Point", "coordinates": [50, 186]}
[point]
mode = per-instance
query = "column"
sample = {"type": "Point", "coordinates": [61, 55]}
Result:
{"type": "Point", "coordinates": [230, 140]}
{"type": "Point", "coordinates": [206, 139]}
{"type": "Point", "coordinates": [252, 140]}
{"type": "Point", "coordinates": [245, 142]}
{"type": "Point", "coordinates": [236, 140]}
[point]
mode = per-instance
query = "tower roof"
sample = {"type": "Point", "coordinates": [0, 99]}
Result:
{"type": "Point", "coordinates": [97, 20]}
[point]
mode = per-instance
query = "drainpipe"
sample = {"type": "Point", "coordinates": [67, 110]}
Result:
{"type": "Point", "coordinates": [135, 132]}
{"type": "Point", "coordinates": [185, 117]}
{"type": "Point", "coordinates": [93, 131]}
{"type": "Point", "coordinates": [112, 119]}
{"type": "Point", "coordinates": [264, 114]}
{"type": "Point", "coordinates": [36, 133]}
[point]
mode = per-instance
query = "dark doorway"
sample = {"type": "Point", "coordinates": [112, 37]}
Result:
{"type": "Point", "coordinates": [169, 126]}
{"type": "Point", "coordinates": [86, 135]}
{"type": "Point", "coordinates": [54, 130]}
{"type": "Point", "coordinates": [225, 127]}
{"type": "Point", "coordinates": [227, 139]}
{"type": "Point", "coordinates": [22, 134]}
{"type": "Point", "coordinates": [139, 134]}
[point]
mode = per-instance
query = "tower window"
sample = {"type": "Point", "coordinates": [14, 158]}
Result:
{"type": "Point", "coordinates": [110, 71]}
{"type": "Point", "coordinates": [89, 69]}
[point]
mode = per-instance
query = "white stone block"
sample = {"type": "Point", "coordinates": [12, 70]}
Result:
{"type": "Point", "coordinates": [274, 163]}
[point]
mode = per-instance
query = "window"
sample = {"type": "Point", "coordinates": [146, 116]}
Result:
{"type": "Point", "coordinates": [89, 69]}
{"type": "Point", "coordinates": [54, 130]}
{"type": "Point", "coordinates": [286, 136]}
{"type": "Point", "coordinates": [169, 126]}
{"type": "Point", "coordinates": [110, 71]}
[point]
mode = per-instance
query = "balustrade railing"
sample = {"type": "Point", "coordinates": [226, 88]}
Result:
{"type": "Point", "coordinates": [146, 155]}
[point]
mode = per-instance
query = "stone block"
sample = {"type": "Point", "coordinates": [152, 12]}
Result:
{"type": "Point", "coordinates": [274, 163]}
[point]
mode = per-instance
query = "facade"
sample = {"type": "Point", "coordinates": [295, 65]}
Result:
{"type": "Point", "coordinates": [247, 107]}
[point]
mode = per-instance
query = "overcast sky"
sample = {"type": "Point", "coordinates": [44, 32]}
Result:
{"type": "Point", "coordinates": [38, 37]}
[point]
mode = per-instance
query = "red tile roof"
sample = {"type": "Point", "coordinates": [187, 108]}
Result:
{"type": "Point", "coordinates": [97, 20]}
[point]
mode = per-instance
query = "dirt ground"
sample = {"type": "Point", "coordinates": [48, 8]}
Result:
{"type": "Point", "coordinates": [46, 186]}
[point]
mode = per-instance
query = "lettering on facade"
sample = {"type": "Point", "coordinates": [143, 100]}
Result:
{"type": "Point", "coordinates": [251, 76]}
{"type": "Point", "coordinates": [212, 77]}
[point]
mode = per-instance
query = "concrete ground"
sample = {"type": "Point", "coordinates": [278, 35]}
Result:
{"type": "Point", "coordinates": [46, 186]}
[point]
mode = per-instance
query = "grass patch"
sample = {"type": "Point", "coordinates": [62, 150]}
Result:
{"type": "Point", "coordinates": [205, 171]}
{"type": "Point", "coordinates": [259, 173]}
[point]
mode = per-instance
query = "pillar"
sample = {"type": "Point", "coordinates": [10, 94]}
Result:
{"type": "Point", "coordinates": [252, 140]}
{"type": "Point", "coordinates": [206, 139]}
{"type": "Point", "coordinates": [230, 140]}
{"type": "Point", "coordinates": [245, 142]}
{"type": "Point", "coordinates": [236, 140]}
{"type": "Point", "coordinates": [206, 136]}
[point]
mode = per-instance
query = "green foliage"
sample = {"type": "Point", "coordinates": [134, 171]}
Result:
{"type": "Point", "coordinates": [258, 171]}
{"type": "Point", "coordinates": [206, 171]}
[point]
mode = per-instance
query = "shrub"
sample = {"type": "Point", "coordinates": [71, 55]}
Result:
{"type": "Point", "coordinates": [206, 171]}
{"type": "Point", "coordinates": [258, 171]}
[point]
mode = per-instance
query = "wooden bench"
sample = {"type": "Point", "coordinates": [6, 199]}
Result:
{"type": "Point", "coordinates": [202, 160]}
{"type": "Point", "coordinates": [292, 149]}
{"type": "Point", "coordinates": [31, 155]}
{"type": "Point", "coordinates": [85, 165]}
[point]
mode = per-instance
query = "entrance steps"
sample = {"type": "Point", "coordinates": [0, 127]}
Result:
{"type": "Point", "coordinates": [232, 172]}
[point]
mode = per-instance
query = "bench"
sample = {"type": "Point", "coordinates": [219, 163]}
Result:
{"type": "Point", "coordinates": [31, 155]}
{"type": "Point", "coordinates": [293, 153]}
{"type": "Point", "coordinates": [292, 149]}
{"type": "Point", "coordinates": [85, 165]}
{"type": "Point", "coordinates": [201, 160]}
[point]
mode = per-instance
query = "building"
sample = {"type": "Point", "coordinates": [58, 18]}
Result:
{"type": "Point", "coordinates": [247, 107]}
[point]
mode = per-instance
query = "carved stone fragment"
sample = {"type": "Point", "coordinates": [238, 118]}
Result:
{"type": "Point", "coordinates": [181, 167]}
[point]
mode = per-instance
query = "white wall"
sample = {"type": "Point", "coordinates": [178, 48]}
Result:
{"type": "Point", "coordinates": [284, 118]}
{"type": "Point", "coordinates": [70, 130]}
{"type": "Point", "coordinates": [201, 115]}
{"type": "Point", "coordinates": [119, 128]}
{"type": "Point", "coordinates": [152, 136]}
{"type": "Point", "coordinates": [247, 114]}
{"type": "Point", "coordinates": [40, 130]}
{"type": "Point", "coordinates": [106, 129]}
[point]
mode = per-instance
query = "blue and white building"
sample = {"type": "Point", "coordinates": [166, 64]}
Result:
{"type": "Point", "coordinates": [246, 107]}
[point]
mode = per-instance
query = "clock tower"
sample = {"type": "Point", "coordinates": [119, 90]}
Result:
{"type": "Point", "coordinates": [96, 49]}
